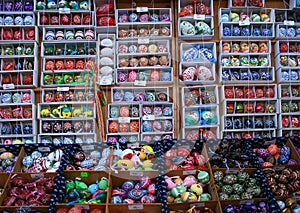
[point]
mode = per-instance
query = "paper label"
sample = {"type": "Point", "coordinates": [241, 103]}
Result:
{"type": "Point", "coordinates": [233, 172]}
{"type": "Point", "coordinates": [135, 207]}
{"type": "Point", "coordinates": [63, 89]}
{"type": "Point", "coordinates": [65, 10]}
{"type": "Point", "coordinates": [244, 23]}
{"type": "Point", "coordinates": [104, 82]}
{"type": "Point", "coordinates": [8, 86]}
{"type": "Point", "coordinates": [289, 23]}
{"type": "Point", "coordinates": [136, 174]}
{"type": "Point", "coordinates": [36, 176]}
{"type": "Point", "coordinates": [124, 120]}
{"type": "Point", "coordinates": [88, 147]}
{"type": "Point", "coordinates": [140, 83]}
{"type": "Point", "coordinates": [246, 201]}
{"type": "Point", "coordinates": [189, 172]}
{"type": "Point", "coordinates": [44, 149]}
{"type": "Point", "coordinates": [199, 17]}
{"type": "Point", "coordinates": [197, 205]}
{"type": "Point", "coordinates": [149, 117]}
{"type": "Point", "coordinates": [142, 9]}
{"type": "Point", "coordinates": [143, 41]}
{"type": "Point", "coordinates": [83, 207]}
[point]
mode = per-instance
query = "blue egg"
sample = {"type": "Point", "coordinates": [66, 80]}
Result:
{"type": "Point", "coordinates": [282, 32]}
{"type": "Point", "coordinates": [266, 32]}
{"type": "Point", "coordinates": [226, 76]}
{"type": "Point", "coordinates": [256, 32]}
{"type": "Point", "coordinates": [291, 32]}
{"type": "Point", "coordinates": [36, 154]}
{"type": "Point", "coordinates": [27, 161]}
{"type": "Point", "coordinates": [238, 124]}
{"type": "Point", "coordinates": [294, 75]}
{"type": "Point", "coordinates": [285, 76]}
{"type": "Point", "coordinates": [236, 31]}
{"type": "Point", "coordinates": [226, 31]}
{"type": "Point", "coordinates": [248, 123]}
{"type": "Point", "coordinates": [255, 75]}
{"type": "Point", "coordinates": [93, 188]}
{"type": "Point", "coordinates": [123, 140]}
{"type": "Point", "coordinates": [235, 75]}
{"type": "Point", "coordinates": [246, 31]}
{"type": "Point", "coordinates": [228, 123]}
{"type": "Point", "coordinates": [225, 18]}
{"type": "Point", "coordinates": [245, 76]}
{"type": "Point", "coordinates": [265, 76]}
{"type": "Point", "coordinates": [166, 76]}
{"type": "Point", "coordinates": [116, 199]}
{"type": "Point", "coordinates": [298, 31]}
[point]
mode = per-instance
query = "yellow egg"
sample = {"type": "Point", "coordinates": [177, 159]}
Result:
{"type": "Point", "coordinates": [6, 155]}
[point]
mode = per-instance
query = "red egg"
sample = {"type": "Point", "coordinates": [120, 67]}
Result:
{"type": "Point", "coordinates": [7, 35]}
{"type": "Point", "coordinates": [65, 20]}
{"type": "Point", "coordinates": [8, 66]}
{"type": "Point", "coordinates": [270, 93]}
{"type": "Point", "coordinates": [54, 20]}
{"type": "Point", "coordinates": [44, 20]}
{"type": "Point", "coordinates": [295, 122]}
{"type": "Point", "coordinates": [6, 79]}
{"type": "Point", "coordinates": [283, 47]}
{"type": "Point", "coordinates": [229, 93]}
{"type": "Point", "coordinates": [259, 93]}
{"type": "Point", "coordinates": [76, 19]}
{"type": "Point", "coordinates": [292, 48]}
{"type": "Point", "coordinates": [27, 79]}
{"type": "Point", "coordinates": [18, 35]}
{"type": "Point", "coordinates": [249, 93]}
{"type": "Point", "coordinates": [87, 20]}
{"type": "Point", "coordinates": [238, 93]}
{"type": "Point", "coordinates": [79, 65]}
{"type": "Point", "coordinates": [30, 35]}
{"type": "Point", "coordinates": [285, 122]}
{"type": "Point", "coordinates": [16, 80]}
{"type": "Point", "coordinates": [247, 136]}
{"type": "Point", "coordinates": [70, 65]}
{"type": "Point", "coordinates": [267, 164]}
{"type": "Point", "coordinates": [49, 65]}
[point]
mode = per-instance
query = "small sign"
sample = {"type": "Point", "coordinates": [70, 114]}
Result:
{"type": "Point", "coordinates": [8, 86]}
{"type": "Point", "coordinates": [143, 41]}
{"type": "Point", "coordinates": [232, 172]}
{"type": "Point", "coordinates": [199, 17]}
{"type": "Point", "coordinates": [149, 117]}
{"type": "Point", "coordinates": [83, 207]}
{"type": "Point", "coordinates": [242, 202]}
{"type": "Point", "coordinates": [189, 172]}
{"type": "Point", "coordinates": [37, 176]}
{"type": "Point", "coordinates": [289, 23]}
{"type": "Point", "coordinates": [136, 174]}
{"type": "Point", "coordinates": [244, 23]}
{"type": "Point", "coordinates": [88, 147]}
{"type": "Point", "coordinates": [135, 207]}
{"type": "Point", "coordinates": [197, 205]}
{"type": "Point", "coordinates": [64, 10]}
{"type": "Point", "coordinates": [84, 174]}
{"type": "Point", "coordinates": [105, 82]}
{"type": "Point", "coordinates": [124, 120]}
{"type": "Point", "coordinates": [44, 149]}
{"type": "Point", "coordinates": [63, 89]}
{"type": "Point", "coordinates": [141, 9]}
{"type": "Point", "coordinates": [140, 83]}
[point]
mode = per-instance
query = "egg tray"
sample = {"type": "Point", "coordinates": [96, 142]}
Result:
{"type": "Point", "coordinates": [213, 205]}
{"type": "Point", "coordinates": [158, 126]}
{"type": "Point", "coordinates": [288, 133]}
{"type": "Point", "coordinates": [211, 46]}
{"type": "Point", "coordinates": [59, 23]}
{"type": "Point", "coordinates": [14, 49]}
{"type": "Point", "coordinates": [208, 20]}
{"type": "Point", "coordinates": [106, 62]}
{"type": "Point", "coordinates": [10, 8]}
{"type": "Point", "coordinates": [28, 99]}
{"type": "Point", "coordinates": [248, 133]}
{"type": "Point", "coordinates": [287, 47]}
{"type": "Point", "coordinates": [283, 15]}
{"type": "Point", "coordinates": [18, 131]}
{"type": "Point", "coordinates": [293, 122]}
{"type": "Point", "coordinates": [153, 136]}
{"type": "Point", "coordinates": [111, 29]}
{"type": "Point", "coordinates": [119, 125]}
{"type": "Point", "coordinates": [293, 34]}
{"type": "Point", "coordinates": [257, 60]}
{"type": "Point", "coordinates": [208, 3]}
{"type": "Point", "coordinates": [112, 138]}
{"type": "Point", "coordinates": [76, 50]}
{"type": "Point", "coordinates": [17, 65]}
{"type": "Point", "coordinates": [248, 12]}
{"type": "Point", "coordinates": [23, 30]}
{"type": "Point", "coordinates": [210, 93]}
{"type": "Point", "coordinates": [269, 34]}
{"type": "Point", "coordinates": [237, 50]}
{"type": "Point", "coordinates": [289, 91]}
{"type": "Point", "coordinates": [193, 133]}
{"type": "Point", "coordinates": [118, 106]}
{"type": "Point", "coordinates": [67, 139]}
{"type": "Point", "coordinates": [247, 3]}
{"type": "Point", "coordinates": [62, 9]}
{"type": "Point", "coordinates": [16, 14]}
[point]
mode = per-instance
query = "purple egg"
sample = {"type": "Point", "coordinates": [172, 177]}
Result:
{"type": "Point", "coordinates": [8, 169]}
{"type": "Point", "coordinates": [122, 77]}
{"type": "Point", "coordinates": [292, 162]}
{"type": "Point", "coordinates": [249, 207]}
{"type": "Point", "coordinates": [18, 6]}
{"type": "Point", "coordinates": [230, 209]}
{"type": "Point", "coordinates": [28, 6]}
{"type": "Point", "coordinates": [298, 150]}
{"type": "Point", "coordinates": [263, 153]}
{"type": "Point", "coordinates": [9, 6]}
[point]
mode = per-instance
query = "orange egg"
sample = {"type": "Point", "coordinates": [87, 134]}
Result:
{"type": "Point", "coordinates": [272, 149]}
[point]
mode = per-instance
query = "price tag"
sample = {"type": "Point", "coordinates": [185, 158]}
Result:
{"type": "Point", "coordinates": [232, 172]}
{"type": "Point", "coordinates": [44, 149]}
{"type": "Point", "coordinates": [242, 202]}
{"type": "Point", "coordinates": [63, 89]}
{"type": "Point", "coordinates": [8, 86]}
{"type": "Point", "coordinates": [199, 17]}
{"type": "Point", "coordinates": [36, 176]}
{"type": "Point", "coordinates": [136, 174]}
{"type": "Point", "coordinates": [142, 9]}
{"type": "Point", "coordinates": [105, 82]}
{"type": "Point", "coordinates": [133, 145]}
{"type": "Point", "coordinates": [289, 23]}
{"type": "Point", "coordinates": [124, 120]}
{"type": "Point", "coordinates": [140, 83]}
{"type": "Point", "coordinates": [135, 207]}
{"type": "Point", "coordinates": [65, 10]}
{"type": "Point", "coordinates": [83, 207]}
{"type": "Point", "coordinates": [143, 41]}
{"type": "Point", "coordinates": [149, 117]}
{"type": "Point", "coordinates": [244, 23]}
{"type": "Point", "coordinates": [197, 205]}
{"type": "Point", "coordinates": [88, 147]}
{"type": "Point", "coordinates": [189, 172]}
{"type": "Point", "coordinates": [84, 174]}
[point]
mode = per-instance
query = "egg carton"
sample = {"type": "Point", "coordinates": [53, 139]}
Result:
{"type": "Point", "coordinates": [212, 97]}
{"type": "Point", "coordinates": [120, 137]}
{"type": "Point", "coordinates": [248, 12]}
{"type": "Point", "coordinates": [68, 107]}
{"type": "Point", "coordinates": [111, 14]}
{"type": "Point", "coordinates": [287, 61]}
{"type": "Point", "coordinates": [125, 122]}
{"type": "Point", "coordinates": [159, 125]}
{"type": "Point", "coordinates": [200, 122]}
{"type": "Point", "coordinates": [50, 7]}
{"type": "Point", "coordinates": [210, 56]}
{"type": "Point", "coordinates": [47, 78]}
{"type": "Point", "coordinates": [247, 3]}
{"type": "Point", "coordinates": [22, 92]}
{"type": "Point", "coordinates": [289, 91]}
{"type": "Point", "coordinates": [237, 51]}
{"type": "Point", "coordinates": [286, 46]}
{"type": "Point", "coordinates": [21, 107]}
{"type": "Point", "coordinates": [23, 30]}
{"type": "Point", "coordinates": [161, 76]}
{"type": "Point", "coordinates": [293, 122]}
{"type": "Point", "coordinates": [67, 139]}
{"type": "Point", "coordinates": [13, 45]}
{"type": "Point", "coordinates": [66, 49]}
{"type": "Point", "coordinates": [227, 127]}
{"type": "Point", "coordinates": [27, 6]}
{"type": "Point", "coordinates": [288, 32]}
{"type": "Point", "coordinates": [288, 133]}
{"type": "Point", "coordinates": [118, 106]}
{"type": "Point", "coordinates": [205, 78]}
{"type": "Point", "coordinates": [249, 134]}
{"type": "Point", "coordinates": [153, 136]}
{"type": "Point", "coordinates": [136, 90]}
{"type": "Point", "coordinates": [244, 108]}
{"type": "Point", "coordinates": [207, 20]}
{"type": "Point", "coordinates": [18, 80]}
{"type": "Point", "coordinates": [287, 16]}
{"type": "Point", "coordinates": [227, 61]}
{"type": "Point", "coordinates": [251, 27]}
{"type": "Point", "coordinates": [227, 75]}
{"type": "Point", "coordinates": [289, 107]}
{"type": "Point", "coordinates": [20, 133]}
{"type": "Point", "coordinates": [77, 131]}
{"type": "Point", "coordinates": [252, 88]}
{"type": "Point", "coordinates": [18, 140]}
{"type": "Point", "coordinates": [106, 47]}
{"type": "Point", "coordinates": [67, 28]}
{"type": "Point", "coordinates": [70, 15]}
{"type": "Point", "coordinates": [155, 30]}
{"type": "Point", "coordinates": [144, 10]}
{"type": "Point", "coordinates": [28, 64]}
{"type": "Point", "coordinates": [193, 133]}
{"type": "Point", "coordinates": [288, 75]}
{"type": "Point", "coordinates": [23, 15]}
{"type": "Point", "coordinates": [79, 94]}
{"type": "Point", "coordinates": [208, 3]}
{"type": "Point", "coordinates": [152, 115]}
